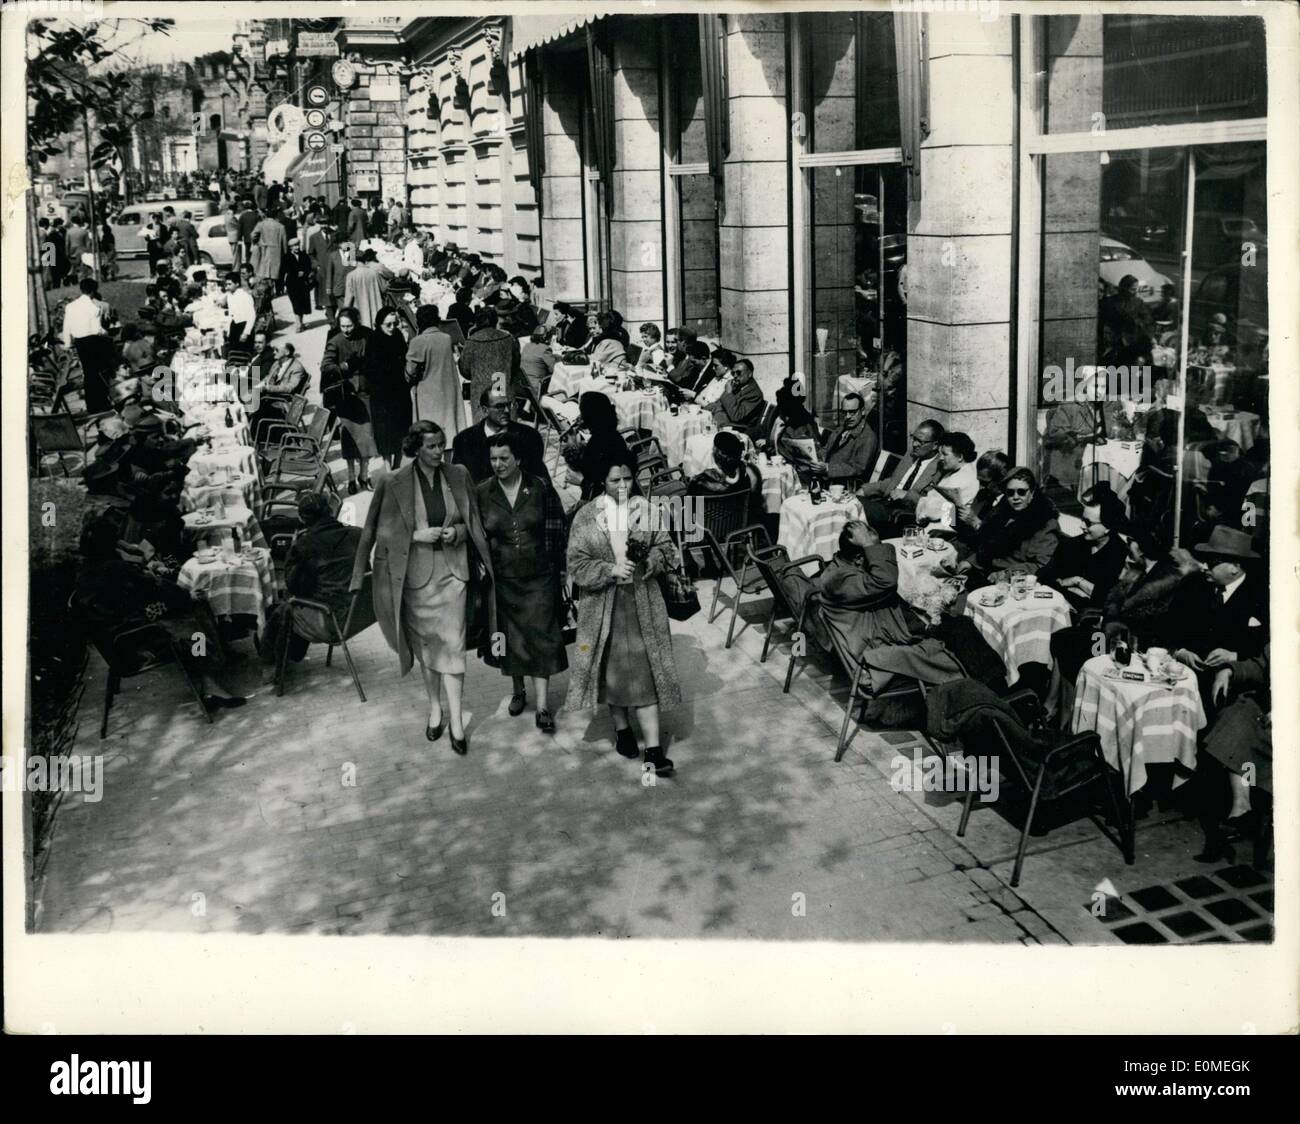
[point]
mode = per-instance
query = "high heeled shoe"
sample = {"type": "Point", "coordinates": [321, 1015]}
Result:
{"type": "Point", "coordinates": [433, 733]}
{"type": "Point", "coordinates": [625, 743]}
{"type": "Point", "coordinates": [544, 720]}
{"type": "Point", "coordinates": [460, 745]}
{"type": "Point", "coordinates": [654, 757]}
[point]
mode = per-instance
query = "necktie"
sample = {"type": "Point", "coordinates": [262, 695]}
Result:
{"type": "Point", "coordinates": [910, 478]}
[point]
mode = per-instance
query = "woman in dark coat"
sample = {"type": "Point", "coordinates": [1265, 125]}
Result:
{"type": "Point", "coordinates": [488, 351]}
{"type": "Point", "coordinates": [1021, 531]}
{"type": "Point", "coordinates": [299, 276]}
{"type": "Point", "coordinates": [596, 442]}
{"type": "Point", "coordinates": [390, 393]}
{"type": "Point", "coordinates": [525, 526]}
{"type": "Point", "coordinates": [343, 390]}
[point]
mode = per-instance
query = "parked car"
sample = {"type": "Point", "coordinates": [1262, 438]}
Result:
{"type": "Point", "coordinates": [1138, 225]}
{"type": "Point", "coordinates": [214, 248]}
{"type": "Point", "coordinates": [1220, 235]}
{"type": "Point", "coordinates": [1116, 260]}
{"type": "Point", "coordinates": [126, 223]}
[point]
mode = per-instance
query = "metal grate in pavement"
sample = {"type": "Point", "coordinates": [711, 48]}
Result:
{"type": "Point", "coordinates": [1231, 904]}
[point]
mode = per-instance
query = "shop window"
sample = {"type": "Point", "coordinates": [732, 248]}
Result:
{"type": "Point", "coordinates": [1113, 404]}
{"type": "Point", "coordinates": [1155, 70]}
{"type": "Point", "coordinates": [853, 80]}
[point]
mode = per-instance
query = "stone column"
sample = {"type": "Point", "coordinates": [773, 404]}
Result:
{"type": "Point", "coordinates": [753, 228]}
{"type": "Point", "coordinates": [455, 155]}
{"type": "Point", "coordinates": [636, 227]}
{"type": "Point", "coordinates": [422, 174]}
{"type": "Point", "coordinates": [959, 246]}
{"type": "Point", "coordinates": [527, 228]}
{"type": "Point", "coordinates": [485, 200]}
{"type": "Point", "coordinates": [562, 233]}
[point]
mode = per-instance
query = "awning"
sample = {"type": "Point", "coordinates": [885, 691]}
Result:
{"type": "Point", "coordinates": [533, 31]}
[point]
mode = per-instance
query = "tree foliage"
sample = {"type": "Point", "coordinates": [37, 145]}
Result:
{"type": "Point", "coordinates": [61, 57]}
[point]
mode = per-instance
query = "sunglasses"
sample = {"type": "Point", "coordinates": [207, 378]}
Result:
{"type": "Point", "coordinates": [1016, 491]}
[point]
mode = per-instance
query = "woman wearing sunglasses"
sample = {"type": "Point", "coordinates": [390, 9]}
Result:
{"type": "Point", "coordinates": [1020, 530]}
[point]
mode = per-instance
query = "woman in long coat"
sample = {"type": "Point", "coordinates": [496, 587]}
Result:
{"type": "Point", "coordinates": [298, 280]}
{"type": "Point", "coordinates": [431, 369]}
{"type": "Point", "coordinates": [343, 390]}
{"type": "Point", "coordinates": [272, 242]}
{"type": "Point", "coordinates": [489, 350]}
{"type": "Point", "coordinates": [432, 573]}
{"type": "Point", "coordinates": [390, 394]}
{"type": "Point", "coordinates": [525, 525]}
{"type": "Point", "coordinates": [625, 650]}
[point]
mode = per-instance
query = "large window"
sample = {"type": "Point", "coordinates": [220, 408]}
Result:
{"type": "Point", "coordinates": [692, 209]}
{"type": "Point", "coordinates": [853, 216]}
{"type": "Point", "coordinates": [1152, 326]}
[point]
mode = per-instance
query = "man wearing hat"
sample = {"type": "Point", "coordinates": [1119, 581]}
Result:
{"type": "Point", "coordinates": [729, 472]}
{"type": "Point", "coordinates": [1221, 618]}
{"type": "Point", "coordinates": [1212, 346]}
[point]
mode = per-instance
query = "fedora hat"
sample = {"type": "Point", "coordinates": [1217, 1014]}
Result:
{"type": "Point", "coordinates": [1225, 542]}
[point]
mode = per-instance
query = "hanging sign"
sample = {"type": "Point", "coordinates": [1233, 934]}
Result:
{"type": "Point", "coordinates": [317, 44]}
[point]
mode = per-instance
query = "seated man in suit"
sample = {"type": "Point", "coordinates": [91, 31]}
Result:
{"type": "Point", "coordinates": [850, 450]}
{"type": "Point", "coordinates": [891, 501]}
{"type": "Point", "coordinates": [263, 356]}
{"type": "Point", "coordinates": [470, 447]}
{"type": "Point", "coordinates": [742, 405]}
{"type": "Point", "coordinates": [859, 592]}
{"type": "Point", "coordinates": [1219, 618]}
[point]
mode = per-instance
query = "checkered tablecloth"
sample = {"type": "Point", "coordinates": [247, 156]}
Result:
{"type": "Point", "coordinates": [677, 431]}
{"type": "Point", "coordinates": [915, 563]}
{"type": "Point", "coordinates": [1138, 724]}
{"type": "Point", "coordinates": [237, 458]}
{"type": "Point", "coordinates": [1242, 427]}
{"type": "Point", "coordinates": [1020, 631]}
{"type": "Point", "coordinates": [216, 530]}
{"type": "Point", "coordinates": [246, 587]}
{"type": "Point", "coordinates": [808, 528]}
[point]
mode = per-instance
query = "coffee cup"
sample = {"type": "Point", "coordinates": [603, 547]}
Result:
{"type": "Point", "coordinates": [1155, 658]}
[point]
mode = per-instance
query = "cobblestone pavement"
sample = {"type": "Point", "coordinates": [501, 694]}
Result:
{"type": "Point", "coordinates": [318, 813]}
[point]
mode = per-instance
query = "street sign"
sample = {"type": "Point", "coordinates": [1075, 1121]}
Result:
{"type": "Point", "coordinates": [366, 181]}
{"type": "Point", "coordinates": [316, 96]}
{"type": "Point", "coordinates": [317, 44]}
{"type": "Point", "coordinates": [316, 141]}
{"type": "Point", "coordinates": [315, 119]}
{"type": "Point", "coordinates": [336, 149]}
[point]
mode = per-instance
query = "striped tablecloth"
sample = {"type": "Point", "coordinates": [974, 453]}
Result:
{"type": "Point", "coordinates": [683, 432]}
{"type": "Point", "coordinates": [237, 458]}
{"type": "Point", "coordinates": [1020, 631]}
{"type": "Point", "coordinates": [639, 410]}
{"type": "Point", "coordinates": [238, 491]}
{"type": "Point", "coordinates": [808, 528]}
{"type": "Point", "coordinates": [915, 562]}
{"type": "Point", "coordinates": [217, 530]}
{"type": "Point", "coordinates": [1138, 724]}
{"type": "Point", "coordinates": [780, 481]}
{"type": "Point", "coordinates": [567, 377]}
{"type": "Point", "coordinates": [246, 587]}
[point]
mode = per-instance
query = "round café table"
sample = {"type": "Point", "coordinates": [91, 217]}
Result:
{"type": "Point", "coordinates": [1020, 631]}
{"type": "Point", "coordinates": [1241, 426]}
{"type": "Point", "coordinates": [683, 431]}
{"type": "Point", "coordinates": [915, 563]}
{"type": "Point", "coordinates": [208, 528]}
{"type": "Point", "coordinates": [1138, 723]}
{"type": "Point", "coordinates": [807, 528]}
{"type": "Point", "coordinates": [232, 585]}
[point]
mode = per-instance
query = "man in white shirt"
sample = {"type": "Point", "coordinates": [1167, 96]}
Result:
{"type": "Point", "coordinates": [239, 304]}
{"type": "Point", "coordinates": [85, 322]}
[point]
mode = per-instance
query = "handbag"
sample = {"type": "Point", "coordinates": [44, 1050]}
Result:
{"type": "Point", "coordinates": [569, 632]}
{"type": "Point", "coordinates": [680, 598]}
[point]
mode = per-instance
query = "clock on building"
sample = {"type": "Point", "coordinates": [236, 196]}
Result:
{"type": "Point", "coordinates": [343, 73]}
